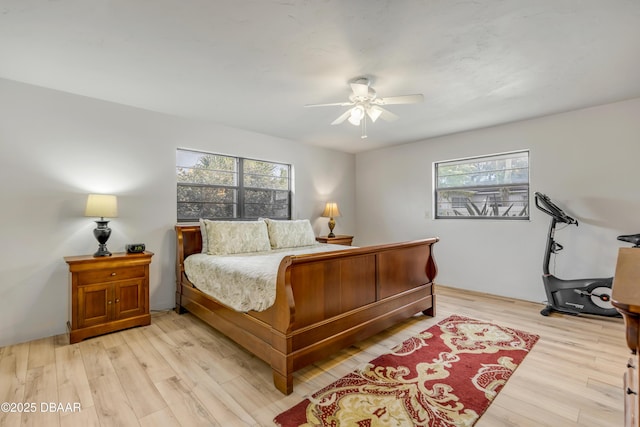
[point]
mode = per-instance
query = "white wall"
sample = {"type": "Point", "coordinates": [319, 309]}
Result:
{"type": "Point", "coordinates": [55, 148]}
{"type": "Point", "coordinates": [586, 161]}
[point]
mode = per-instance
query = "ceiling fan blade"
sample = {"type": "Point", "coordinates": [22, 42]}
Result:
{"type": "Point", "coordinates": [402, 99]}
{"type": "Point", "coordinates": [341, 104]}
{"type": "Point", "coordinates": [360, 89]}
{"type": "Point", "coordinates": [387, 115]}
{"type": "Point", "coordinates": [342, 118]}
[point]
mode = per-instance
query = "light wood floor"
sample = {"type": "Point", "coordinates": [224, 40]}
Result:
{"type": "Point", "coordinates": [179, 372]}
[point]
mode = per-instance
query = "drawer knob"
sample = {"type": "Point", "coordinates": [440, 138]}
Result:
{"type": "Point", "coordinates": [108, 302]}
{"type": "Point", "coordinates": [117, 300]}
{"type": "Point", "coordinates": [629, 391]}
{"type": "Point", "coordinates": [113, 274]}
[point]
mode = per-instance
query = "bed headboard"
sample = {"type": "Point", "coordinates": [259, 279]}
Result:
{"type": "Point", "coordinates": [188, 241]}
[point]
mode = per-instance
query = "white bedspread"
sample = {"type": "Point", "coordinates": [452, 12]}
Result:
{"type": "Point", "coordinates": [244, 281]}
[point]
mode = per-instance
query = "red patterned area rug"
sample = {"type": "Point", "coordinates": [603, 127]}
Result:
{"type": "Point", "coordinates": [445, 376]}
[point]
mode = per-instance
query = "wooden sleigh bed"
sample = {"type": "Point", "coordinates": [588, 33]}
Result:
{"type": "Point", "coordinates": [324, 302]}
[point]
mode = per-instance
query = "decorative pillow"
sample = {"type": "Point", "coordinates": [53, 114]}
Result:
{"type": "Point", "coordinates": [290, 234]}
{"type": "Point", "coordinates": [235, 237]}
{"type": "Point", "coordinates": [203, 233]}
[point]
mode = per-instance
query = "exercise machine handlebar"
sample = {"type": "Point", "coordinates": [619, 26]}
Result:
{"type": "Point", "coordinates": [551, 209]}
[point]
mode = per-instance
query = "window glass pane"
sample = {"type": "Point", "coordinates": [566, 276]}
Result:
{"type": "Point", "coordinates": [199, 193]}
{"type": "Point", "coordinates": [218, 210]}
{"type": "Point", "coordinates": [261, 174]}
{"type": "Point", "coordinates": [495, 187]}
{"type": "Point", "coordinates": [204, 168]}
{"type": "Point", "coordinates": [189, 211]}
{"type": "Point", "coordinates": [259, 196]}
{"type": "Point", "coordinates": [219, 195]}
{"type": "Point", "coordinates": [259, 181]}
{"type": "Point", "coordinates": [258, 210]}
{"type": "Point", "coordinates": [195, 211]}
{"type": "Point", "coordinates": [266, 168]}
{"type": "Point", "coordinates": [272, 204]}
{"type": "Point", "coordinates": [204, 176]}
{"type": "Point", "coordinates": [186, 193]}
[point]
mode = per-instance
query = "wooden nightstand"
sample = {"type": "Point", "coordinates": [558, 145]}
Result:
{"type": "Point", "coordinates": [107, 293]}
{"type": "Point", "coordinates": [340, 239]}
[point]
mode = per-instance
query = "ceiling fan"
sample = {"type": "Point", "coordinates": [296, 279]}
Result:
{"type": "Point", "coordinates": [365, 102]}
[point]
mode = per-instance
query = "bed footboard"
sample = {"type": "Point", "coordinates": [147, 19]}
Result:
{"type": "Point", "coordinates": [326, 302]}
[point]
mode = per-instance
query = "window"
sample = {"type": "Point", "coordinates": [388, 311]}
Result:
{"type": "Point", "coordinates": [214, 186]}
{"type": "Point", "coordinates": [494, 186]}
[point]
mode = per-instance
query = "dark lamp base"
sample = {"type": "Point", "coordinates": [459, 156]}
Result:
{"type": "Point", "coordinates": [332, 224]}
{"type": "Point", "coordinates": [102, 251]}
{"type": "Point", "coordinates": [102, 233]}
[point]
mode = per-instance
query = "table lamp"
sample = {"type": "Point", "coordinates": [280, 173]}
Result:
{"type": "Point", "coordinates": [331, 210]}
{"type": "Point", "coordinates": [102, 205]}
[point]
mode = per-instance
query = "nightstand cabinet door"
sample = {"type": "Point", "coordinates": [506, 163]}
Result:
{"type": "Point", "coordinates": [94, 304]}
{"type": "Point", "coordinates": [108, 294]}
{"type": "Point", "coordinates": [129, 299]}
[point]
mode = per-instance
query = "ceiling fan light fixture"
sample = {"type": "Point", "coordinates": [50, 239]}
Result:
{"type": "Point", "coordinates": [357, 113]}
{"type": "Point", "coordinates": [373, 113]}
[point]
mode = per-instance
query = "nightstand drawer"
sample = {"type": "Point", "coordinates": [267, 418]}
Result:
{"type": "Point", "coordinates": [110, 275]}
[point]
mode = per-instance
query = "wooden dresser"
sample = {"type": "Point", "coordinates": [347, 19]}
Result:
{"type": "Point", "coordinates": [107, 293]}
{"type": "Point", "coordinates": [626, 298]}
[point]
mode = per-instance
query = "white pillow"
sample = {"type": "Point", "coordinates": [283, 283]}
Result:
{"type": "Point", "coordinates": [290, 234]}
{"type": "Point", "coordinates": [235, 237]}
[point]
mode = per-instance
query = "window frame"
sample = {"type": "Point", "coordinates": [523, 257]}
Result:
{"type": "Point", "coordinates": [490, 209]}
{"type": "Point", "coordinates": [239, 203]}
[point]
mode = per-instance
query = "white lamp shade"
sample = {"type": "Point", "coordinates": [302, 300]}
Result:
{"type": "Point", "coordinates": [331, 210]}
{"type": "Point", "coordinates": [102, 205]}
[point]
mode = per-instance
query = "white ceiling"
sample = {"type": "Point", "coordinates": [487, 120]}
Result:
{"type": "Point", "coordinates": [253, 64]}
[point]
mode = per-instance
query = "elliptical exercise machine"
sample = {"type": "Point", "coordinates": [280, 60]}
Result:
{"type": "Point", "coordinates": [577, 296]}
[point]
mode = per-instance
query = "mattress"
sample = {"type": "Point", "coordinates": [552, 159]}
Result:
{"type": "Point", "coordinates": [245, 281]}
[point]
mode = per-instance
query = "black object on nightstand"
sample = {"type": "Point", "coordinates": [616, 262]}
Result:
{"type": "Point", "coordinates": [135, 248]}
